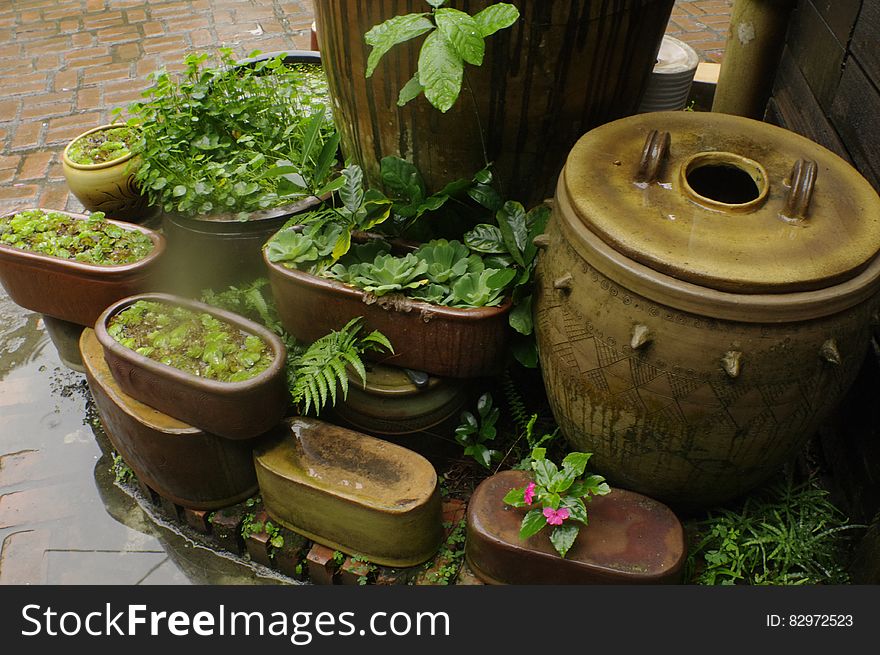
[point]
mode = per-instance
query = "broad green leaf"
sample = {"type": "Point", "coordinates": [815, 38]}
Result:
{"type": "Point", "coordinates": [481, 454]}
{"type": "Point", "coordinates": [512, 223]}
{"type": "Point", "coordinates": [441, 70]}
{"type": "Point", "coordinates": [410, 90]}
{"type": "Point", "coordinates": [179, 190]}
{"type": "Point", "coordinates": [486, 196]}
{"type": "Point", "coordinates": [562, 537]}
{"type": "Point", "coordinates": [544, 471]}
{"type": "Point", "coordinates": [463, 33]}
{"type": "Point", "coordinates": [539, 454]}
{"type": "Point", "coordinates": [516, 497]}
{"type": "Point", "coordinates": [496, 17]}
{"type": "Point", "coordinates": [313, 130]}
{"type": "Point", "coordinates": [521, 316]}
{"type": "Point", "coordinates": [577, 509]}
{"type": "Point", "coordinates": [395, 30]}
{"type": "Point", "coordinates": [532, 523]}
{"type": "Point", "coordinates": [594, 484]}
{"type": "Point", "coordinates": [352, 190]}
{"type": "Point", "coordinates": [525, 350]}
{"type": "Point", "coordinates": [436, 3]}
{"type": "Point", "coordinates": [325, 160]}
{"type": "Point", "coordinates": [343, 243]}
{"type": "Point", "coordinates": [485, 239]}
{"type": "Point", "coordinates": [402, 179]}
{"type": "Point", "coordinates": [500, 279]}
{"type": "Point", "coordinates": [484, 405]}
{"type": "Point", "coordinates": [536, 220]}
{"type": "Point", "coordinates": [576, 462]}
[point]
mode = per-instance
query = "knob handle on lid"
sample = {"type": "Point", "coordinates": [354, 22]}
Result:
{"type": "Point", "coordinates": [655, 152]}
{"type": "Point", "coordinates": [803, 181]}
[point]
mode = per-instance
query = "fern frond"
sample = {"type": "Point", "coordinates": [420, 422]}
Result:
{"type": "Point", "coordinates": [316, 373]}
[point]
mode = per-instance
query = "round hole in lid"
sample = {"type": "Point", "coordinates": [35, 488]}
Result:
{"type": "Point", "coordinates": [724, 181]}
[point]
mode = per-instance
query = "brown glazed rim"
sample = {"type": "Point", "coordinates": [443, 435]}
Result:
{"type": "Point", "coordinates": [449, 313]}
{"type": "Point", "coordinates": [695, 299]}
{"type": "Point", "coordinates": [84, 267]}
{"type": "Point", "coordinates": [163, 370]}
{"type": "Point", "coordinates": [95, 167]}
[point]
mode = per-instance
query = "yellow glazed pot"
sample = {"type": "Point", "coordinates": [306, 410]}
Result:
{"type": "Point", "coordinates": [705, 298]}
{"type": "Point", "coordinates": [108, 187]}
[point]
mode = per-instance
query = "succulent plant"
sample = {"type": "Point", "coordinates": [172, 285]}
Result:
{"type": "Point", "coordinates": [448, 260]}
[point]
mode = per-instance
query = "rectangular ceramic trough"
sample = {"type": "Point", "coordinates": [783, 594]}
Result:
{"type": "Point", "coordinates": [184, 464]}
{"type": "Point", "coordinates": [630, 539]}
{"type": "Point", "coordinates": [351, 492]}
{"type": "Point", "coordinates": [235, 410]}
{"type": "Point", "coordinates": [445, 341]}
{"type": "Point", "coordinates": [74, 291]}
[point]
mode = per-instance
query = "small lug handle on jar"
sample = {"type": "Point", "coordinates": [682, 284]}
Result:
{"type": "Point", "coordinates": [655, 152]}
{"type": "Point", "coordinates": [803, 181]}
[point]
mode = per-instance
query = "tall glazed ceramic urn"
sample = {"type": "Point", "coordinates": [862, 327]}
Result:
{"type": "Point", "coordinates": [706, 294]}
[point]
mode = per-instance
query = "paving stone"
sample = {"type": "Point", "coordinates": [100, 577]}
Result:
{"type": "Point", "coordinates": [23, 557]}
{"type": "Point", "coordinates": [321, 564]}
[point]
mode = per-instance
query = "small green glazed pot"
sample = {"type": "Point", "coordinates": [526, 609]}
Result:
{"type": "Point", "coordinates": [107, 187]}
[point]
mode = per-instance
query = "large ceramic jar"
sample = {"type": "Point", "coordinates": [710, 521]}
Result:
{"type": "Point", "coordinates": [566, 66]}
{"type": "Point", "coordinates": [705, 298]}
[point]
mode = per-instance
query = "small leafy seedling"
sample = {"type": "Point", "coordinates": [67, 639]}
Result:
{"type": "Point", "coordinates": [474, 433]}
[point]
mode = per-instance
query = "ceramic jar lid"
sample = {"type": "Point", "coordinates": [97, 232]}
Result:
{"type": "Point", "coordinates": [723, 202]}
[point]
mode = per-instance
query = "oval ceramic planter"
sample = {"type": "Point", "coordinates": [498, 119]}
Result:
{"type": "Point", "coordinates": [351, 492]}
{"type": "Point", "coordinates": [236, 410]}
{"type": "Point", "coordinates": [74, 291]}
{"type": "Point", "coordinates": [630, 539]}
{"type": "Point", "coordinates": [184, 464]}
{"type": "Point", "coordinates": [109, 187]}
{"type": "Point", "coordinates": [444, 341]}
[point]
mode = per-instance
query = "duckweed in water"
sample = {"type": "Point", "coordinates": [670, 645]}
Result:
{"type": "Point", "coordinates": [92, 240]}
{"type": "Point", "coordinates": [194, 342]}
{"type": "Point", "coordinates": [103, 146]}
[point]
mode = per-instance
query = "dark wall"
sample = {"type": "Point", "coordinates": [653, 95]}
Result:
{"type": "Point", "coordinates": [828, 83]}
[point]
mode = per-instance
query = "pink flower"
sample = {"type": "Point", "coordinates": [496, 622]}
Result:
{"type": "Point", "coordinates": [529, 494]}
{"type": "Point", "coordinates": [555, 517]}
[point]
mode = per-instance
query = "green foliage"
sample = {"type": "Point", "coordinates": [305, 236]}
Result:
{"type": "Point", "coordinates": [783, 534]}
{"type": "Point", "coordinates": [227, 138]}
{"type": "Point", "coordinates": [104, 145]}
{"type": "Point", "coordinates": [92, 240]}
{"type": "Point", "coordinates": [315, 374]}
{"type": "Point", "coordinates": [454, 38]}
{"type": "Point", "coordinates": [556, 496]}
{"type": "Point", "coordinates": [250, 526]}
{"type": "Point", "coordinates": [387, 273]}
{"type": "Point", "coordinates": [253, 300]}
{"type": "Point", "coordinates": [475, 432]}
{"type": "Point", "coordinates": [449, 559]}
{"type": "Point", "coordinates": [514, 237]}
{"type": "Point", "coordinates": [122, 473]}
{"type": "Point", "coordinates": [194, 342]}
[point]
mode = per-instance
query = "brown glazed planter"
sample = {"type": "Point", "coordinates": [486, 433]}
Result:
{"type": "Point", "coordinates": [75, 291]}
{"type": "Point", "coordinates": [351, 492]}
{"type": "Point", "coordinates": [630, 539]}
{"type": "Point", "coordinates": [566, 66]}
{"type": "Point", "coordinates": [696, 326]}
{"type": "Point", "coordinates": [443, 341]}
{"type": "Point", "coordinates": [235, 410]}
{"type": "Point", "coordinates": [186, 465]}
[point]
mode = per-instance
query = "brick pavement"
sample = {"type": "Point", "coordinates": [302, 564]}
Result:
{"type": "Point", "coordinates": [702, 24]}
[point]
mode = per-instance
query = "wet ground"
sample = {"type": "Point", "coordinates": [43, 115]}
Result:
{"type": "Point", "coordinates": [63, 518]}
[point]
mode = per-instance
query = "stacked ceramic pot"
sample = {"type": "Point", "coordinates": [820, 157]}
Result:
{"type": "Point", "coordinates": [724, 280]}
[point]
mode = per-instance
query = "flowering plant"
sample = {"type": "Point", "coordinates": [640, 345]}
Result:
{"type": "Point", "coordinates": [557, 497]}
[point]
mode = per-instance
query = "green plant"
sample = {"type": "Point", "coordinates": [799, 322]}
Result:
{"type": "Point", "coordinates": [315, 374]}
{"type": "Point", "coordinates": [512, 242]}
{"type": "Point", "coordinates": [253, 300]}
{"type": "Point", "coordinates": [195, 342]}
{"type": "Point", "coordinates": [475, 432]}
{"type": "Point", "coordinates": [556, 496]}
{"type": "Point", "coordinates": [784, 534]}
{"type": "Point", "coordinates": [92, 240]}
{"type": "Point", "coordinates": [121, 471]}
{"type": "Point", "coordinates": [447, 563]}
{"type": "Point", "coordinates": [250, 526]}
{"type": "Point", "coordinates": [454, 38]}
{"type": "Point", "coordinates": [103, 146]}
{"type": "Point", "coordinates": [234, 138]}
